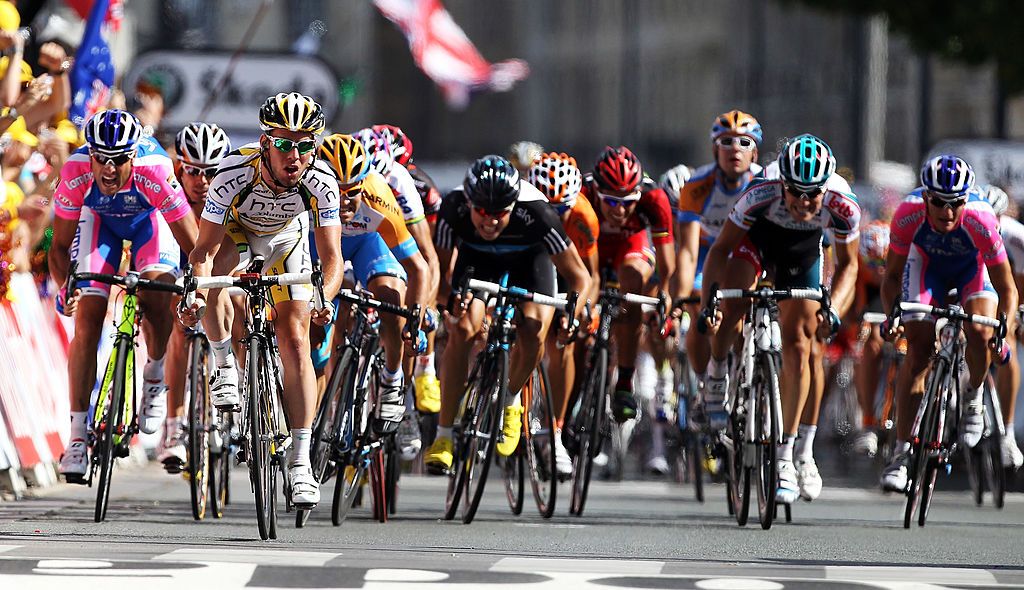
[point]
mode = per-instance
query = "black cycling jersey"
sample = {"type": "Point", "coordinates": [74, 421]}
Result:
{"type": "Point", "coordinates": [427, 189]}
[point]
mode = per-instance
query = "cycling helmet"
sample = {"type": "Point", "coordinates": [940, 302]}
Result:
{"type": "Point", "coordinates": [346, 156]}
{"type": "Point", "coordinates": [736, 123]}
{"type": "Point", "coordinates": [401, 145]}
{"type": "Point", "coordinates": [557, 176]}
{"type": "Point", "coordinates": [292, 111]}
{"type": "Point", "coordinates": [618, 169]}
{"type": "Point", "coordinates": [806, 162]}
{"type": "Point", "coordinates": [492, 183]}
{"type": "Point", "coordinates": [874, 244]}
{"type": "Point", "coordinates": [673, 180]}
{"type": "Point", "coordinates": [522, 154]}
{"type": "Point", "coordinates": [947, 176]}
{"type": "Point", "coordinates": [378, 149]}
{"type": "Point", "coordinates": [200, 144]}
{"type": "Point", "coordinates": [996, 197]}
{"type": "Point", "coordinates": [113, 132]}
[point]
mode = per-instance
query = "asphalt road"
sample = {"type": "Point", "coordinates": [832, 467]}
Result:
{"type": "Point", "coordinates": [638, 534]}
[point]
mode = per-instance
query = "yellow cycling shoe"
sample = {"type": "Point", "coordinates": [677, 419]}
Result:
{"type": "Point", "coordinates": [438, 458]}
{"type": "Point", "coordinates": [428, 394]}
{"type": "Point", "coordinates": [511, 430]}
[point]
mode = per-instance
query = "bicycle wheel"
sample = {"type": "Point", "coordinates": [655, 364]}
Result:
{"type": "Point", "coordinates": [457, 473]}
{"type": "Point", "coordinates": [974, 465]}
{"type": "Point", "coordinates": [322, 441]}
{"type": "Point", "coordinates": [200, 423]}
{"type": "Point", "coordinates": [539, 430]}
{"type": "Point", "coordinates": [694, 452]}
{"type": "Point", "coordinates": [220, 464]}
{"type": "Point", "coordinates": [512, 469]}
{"type": "Point", "coordinates": [258, 441]}
{"type": "Point", "coordinates": [995, 471]}
{"type": "Point", "coordinates": [378, 496]}
{"type": "Point", "coordinates": [349, 430]}
{"type": "Point", "coordinates": [392, 473]}
{"type": "Point", "coordinates": [482, 437]}
{"type": "Point", "coordinates": [587, 426]}
{"type": "Point", "coordinates": [110, 421]}
{"type": "Point", "coordinates": [920, 468]}
{"type": "Point", "coordinates": [739, 473]}
{"type": "Point", "coordinates": [766, 429]}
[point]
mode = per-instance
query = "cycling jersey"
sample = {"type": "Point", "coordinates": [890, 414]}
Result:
{"type": "Point", "coordinates": [705, 200]}
{"type": "Point", "coordinates": [240, 192]}
{"type": "Point", "coordinates": [427, 189]}
{"type": "Point", "coordinates": [379, 212]}
{"type": "Point", "coordinates": [652, 215]}
{"type": "Point", "coordinates": [524, 249]}
{"type": "Point", "coordinates": [1012, 232]}
{"type": "Point", "coordinates": [139, 212]}
{"type": "Point", "coordinates": [582, 227]}
{"type": "Point", "coordinates": [408, 196]}
{"type": "Point", "coordinates": [938, 262]}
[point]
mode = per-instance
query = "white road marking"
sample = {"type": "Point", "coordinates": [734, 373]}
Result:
{"type": "Point", "coordinates": [583, 566]}
{"type": "Point", "coordinates": [923, 575]}
{"type": "Point", "coordinates": [398, 575]}
{"type": "Point", "coordinates": [733, 583]}
{"type": "Point", "coordinates": [253, 556]}
{"type": "Point", "coordinates": [6, 548]}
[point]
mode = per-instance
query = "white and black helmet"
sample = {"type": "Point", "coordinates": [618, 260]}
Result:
{"type": "Point", "coordinates": [202, 144]}
{"type": "Point", "coordinates": [672, 182]}
{"type": "Point", "coordinates": [996, 197]}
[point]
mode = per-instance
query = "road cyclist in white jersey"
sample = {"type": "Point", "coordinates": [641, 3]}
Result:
{"type": "Point", "coordinates": [266, 194]}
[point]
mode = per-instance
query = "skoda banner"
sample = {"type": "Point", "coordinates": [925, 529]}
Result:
{"type": "Point", "coordinates": [187, 80]}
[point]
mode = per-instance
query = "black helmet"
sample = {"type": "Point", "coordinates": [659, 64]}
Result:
{"type": "Point", "coordinates": [492, 183]}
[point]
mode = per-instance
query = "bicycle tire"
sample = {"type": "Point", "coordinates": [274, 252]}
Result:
{"type": "Point", "coordinates": [488, 420]}
{"type": "Point", "coordinates": [220, 470]}
{"type": "Point", "coordinates": [352, 466]}
{"type": "Point", "coordinates": [457, 473]}
{"type": "Point", "coordinates": [539, 443]}
{"type": "Point", "coordinates": [766, 436]}
{"type": "Point", "coordinates": [392, 473]}
{"type": "Point", "coordinates": [695, 463]}
{"type": "Point", "coordinates": [693, 451]}
{"type": "Point", "coordinates": [321, 438]}
{"type": "Point", "coordinates": [588, 430]}
{"type": "Point", "coordinates": [975, 473]}
{"type": "Point", "coordinates": [378, 496]}
{"type": "Point", "coordinates": [739, 474]}
{"type": "Point", "coordinates": [200, 421]}
{"type": "Point", "coordinates": [114, 422]}
{"type": "Point", "coordinates": [995, 471]}
{"type": "Point", "coordinates": [514, 479]}
{"type": "Point", "coordinates": [919, 461]}
{"type": "Point", "coordinates": [258, 453]}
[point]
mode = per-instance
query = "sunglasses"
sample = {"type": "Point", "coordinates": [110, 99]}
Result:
{"type": "Point", "coordinates": [351, 194]}
{"type": "Point", "coordinates": [614, 201]}
{"type": "Point", "coordinates": [286, 145]}
{"type": "Point", "coordinates": [801, 193]}
{"type": "Point", "coordinates": [941, 203]}
{"type": "Point", "coordinates": [499, 214]}
{"type": "Point", "coordinates": [208, 172]}
{"type": "Point", "coordinates": [737, 142]}
{"type": "Point", "coordinates": [104, 159]}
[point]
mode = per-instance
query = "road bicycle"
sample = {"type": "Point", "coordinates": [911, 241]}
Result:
{"type": "Point", "coordinates": [535, 455]}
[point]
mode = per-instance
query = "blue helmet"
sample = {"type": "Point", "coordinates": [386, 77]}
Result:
{"type": "Point", "coordinates": [113, 132]}
{"type": "Point", "coordinates": [806, 162]}
{"type": "Point", "coordinates": [947, 176]}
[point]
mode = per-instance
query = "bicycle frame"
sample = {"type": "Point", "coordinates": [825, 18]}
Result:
{"type": "Point", "coordinates": [127, 332]}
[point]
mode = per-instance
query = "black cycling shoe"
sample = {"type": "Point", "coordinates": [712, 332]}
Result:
{"type": "Point", "coordinates": [623, 405]}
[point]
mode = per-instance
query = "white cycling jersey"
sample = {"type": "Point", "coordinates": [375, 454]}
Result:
{"type": "Point", "coordinates": [404, 187]}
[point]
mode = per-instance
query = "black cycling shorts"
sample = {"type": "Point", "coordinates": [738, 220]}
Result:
{"type": "Point", "coordinates": [531, 269]}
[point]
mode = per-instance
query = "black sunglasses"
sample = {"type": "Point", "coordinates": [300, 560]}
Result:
{"type": "Point", "coordinates": [804, 193]}
{"type": "Point", "coordinates": [117, 160]}
{"type": "Point", "coordinates": [954, 204]}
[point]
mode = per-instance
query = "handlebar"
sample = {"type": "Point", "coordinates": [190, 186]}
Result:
{"type": "Point", "coordinates": [132, 280]}
{"type": "Point", "coordinates": [955, 313]}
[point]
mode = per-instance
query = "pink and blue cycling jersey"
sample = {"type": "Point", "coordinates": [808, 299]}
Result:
{"type": "Point", "coordinates": [139, 212]}
{"type": "Point", "coordinates": [938, 262]}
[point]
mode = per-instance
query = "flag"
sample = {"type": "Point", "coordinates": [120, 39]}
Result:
{"type": "Point", "coordinates": [443, 51]}
{"type": "Point", "coordinates": [93, 73]}
{"type": "Point", "coordinates": [115, 12]}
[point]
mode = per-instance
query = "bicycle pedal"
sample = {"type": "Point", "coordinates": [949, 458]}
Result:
{"type": "Point", "coordinates": [240, 455]}
{"type": "Point", "coordinates": [229, 408]}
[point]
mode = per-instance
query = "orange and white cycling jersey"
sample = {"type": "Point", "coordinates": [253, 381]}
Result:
{"type": "Point", "coordinates": [379, 212]}
{"type": "Point", "coordinates": [583, 227]}
{"type": "Point", "coordinates": [705, 200]}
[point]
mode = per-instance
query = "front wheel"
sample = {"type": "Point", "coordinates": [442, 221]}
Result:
{"type": "Point", "coordinates": [110, 424]}
{"type": "Point", "coordinates": [587, 427]}
{"type": "Point", "coordinates": [539, 442]}
{"type": "Point", "coordinates": [767, 424]}
{"type": "Point", "coordinates": [482, 437]}
{"type": "Point", "coordinates": [200, 424]}
{"type": "Point", "coordinates": [258, 458]}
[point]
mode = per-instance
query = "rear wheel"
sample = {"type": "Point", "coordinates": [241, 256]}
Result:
{"type": "Point", "coordinates": [351, 426]}
{"type": "Point", "coordinates": [587, 427]}
{"type": "Point", "coordinates": [921, 470]}
{"type": "Point", "coordinates": [512, 469]}
{"type": "Point", "coordinates": [200, 423]}
{"type": "Point", "coordinates": [539, 444]}
{"type": "Point", "coordinates": [739, 475]}
{"type": "Point", "coordinates": [457, 473]}
{"type": "Point", "coordinates": [378, 496]}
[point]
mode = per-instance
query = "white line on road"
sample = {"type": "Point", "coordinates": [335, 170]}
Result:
{"type": "Point", "coordinates": [925, 575]}
{"type": "Point", "coordinates": [254, 556]}
{"type": "Point", "coordinates": [5, 548]}
{"type": "Point", "coordinates": [583, 566]}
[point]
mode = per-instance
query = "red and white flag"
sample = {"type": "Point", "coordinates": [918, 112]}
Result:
{"type": "Point", "coordinates": [443, 51]}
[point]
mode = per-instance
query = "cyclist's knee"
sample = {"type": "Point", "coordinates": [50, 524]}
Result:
{"type": "Point", "coordinates": [388, 289]}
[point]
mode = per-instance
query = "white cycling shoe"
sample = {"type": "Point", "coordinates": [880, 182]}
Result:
{"type": "Point", "coordinates": [973, 425]}
{"type": "Point", "coordinates": [788, 489]}
{"type": "Point", "coordinates": [154, 406]}
{"type": "Point", "coordinates": [224, 389]}
{"type": "Point", "coordinates": [563, 463]}
{"type": "Point", "coordinates": [895, 477]}
{"type": "Point", "coordinates": [1012, 456]}
{"type": "Point", "coordinates": [74, 463]}
{"type": "Point", "coordinates": [305, 488]}
{"type": "Point", "coordinates": [808, 480]}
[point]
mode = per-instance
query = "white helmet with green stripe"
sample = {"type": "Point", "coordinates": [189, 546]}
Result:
{"type": "Point", "coordinates": [806, 162]}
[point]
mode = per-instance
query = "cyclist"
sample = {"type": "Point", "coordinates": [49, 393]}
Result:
{"type": "Point", "coordinates": [944, 235]}
{"type": "Point", "coordinates": [874, 248]}
{"type": "Point", "coordinates": [560, 180]}
{"type": "Point", "coordinates": [199, 148]}
{"type": "Point", "coordinates": [522, 154]}
{"type": "Point", "coordinates": [384, 258]}
{"type": "Point", "coordinates": [1008, 375]}
{"type": "Point", "coordinates": [627, 211]}
{"type": "Point", "coordinates": [777, 226]}
{"type": "Point", "coordinates": [704, 204]}
{"type": "Point", "coordinates": [119, 186]}
{"type": "Point", "coordinates": [261, 195]}
{"type": "Point", "coordinates": [498, 223]}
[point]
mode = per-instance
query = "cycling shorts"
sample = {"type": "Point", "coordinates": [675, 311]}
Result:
{"type": "Point", "coordinates": [530, 269]}
{"type": "Point", "coordinates": [928, 281]}
{"type": "Point", "coordinates": [98, 247]}
{"type": "Point", "coordinates": [782, 276]}
{"type": "Point", "coordinates": [613, 250]}
{"type": "Point", "coordinates": [698, 278]}
{"type": "Point", "coordinates": [287, 251]}
{"type": "Point", "coordinates": [370, 258]}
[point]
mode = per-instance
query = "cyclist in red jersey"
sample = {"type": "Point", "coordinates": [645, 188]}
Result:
{"type": "Point", "coordinates": [626, 210]}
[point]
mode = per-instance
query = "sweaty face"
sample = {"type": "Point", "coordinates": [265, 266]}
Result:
{"type": "Point", "coordinates": [287, 166]}
{"type": "Point", "coordinates": [109, 175]}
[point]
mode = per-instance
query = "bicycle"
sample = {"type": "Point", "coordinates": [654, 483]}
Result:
{"type": "Point", "coordinates": [754, 402]}
{"type": "Point", "coordinates": [263, 440]}
{"type": "Point", "coordinates": [937, 422]}
{"type": "Point", "coordinates": [984, 461]}
{"type": "Point", "coordinates": [588, 422]}
{"type": "Point", "coordinates": [892, 358]}
{"type": "Point", "coordinates": [342, 428]}
{"type": "Point", "coordinates": [478, 425]}
{"type": "Point", "coordinates": [536, 452]}
{"type": "Point", "coordinates": [114, 419]}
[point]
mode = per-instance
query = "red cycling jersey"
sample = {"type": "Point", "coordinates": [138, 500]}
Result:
{"type": "Point", "coordinates": [618, 242]}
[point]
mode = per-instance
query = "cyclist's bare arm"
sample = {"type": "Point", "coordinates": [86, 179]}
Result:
{"type": "Point", "coordinates": [845, 278]}
{"type": "Point", "coordinates": [688, 244]}
{"type": "Point", "coordinates": [59, 257]}
{"type": "Point", "coordinates": [328, 247]}
{"type": "Point", "coordinates": [593, 269]}
{"type": "Point", "coordinates": [185, 232]}
{"type": "Point", "coordinates": [665, 260]}
{"type": "Point", "coordinates": [718, 256]}
{"type": "Point", "coordinates": [570, 266]}
{"type": "Point", "coordinates": [1002, 279]}
{"type": "Point", "coordinates": [421, 233]}
{"type": "Point", "coordinates": [444, 258]}
{"type": "Point", "coordinates": [419, 279]}
{"type": "Point", "coordinates": [892, 282]}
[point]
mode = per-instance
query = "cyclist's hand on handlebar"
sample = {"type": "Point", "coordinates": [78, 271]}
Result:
{"type": "Point", "coordinates": [68, 307]}
{"type": "Point", "coordinates": [460, 303]}
{"type": "Point", "coordinates": [710, 320]}
{"type": "Point", "coordinates": [323, 316]}
{"type": "Point", "coordinates": [828, 323]}
{"type": "Point", "coordinates": [417, 346]}
{"type": "Point", "coordinates": [190, 315]}
{"type": "Point", "coordinates": [567, 329]}
{"type": "Point", "coordinates": [1000, 350]}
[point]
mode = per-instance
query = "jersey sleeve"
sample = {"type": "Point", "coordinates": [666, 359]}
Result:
{"type": "Point", "coordinates": [660, 214]}
{"type": "Point", "coordinates": [322, 196]}
{"type": "Point", "coordinates": [392, 226]}
{"type": "Point", "coordinates": [692, 199]}
{"type": "Point", "coordinates": [584, 227]}
{"type": "Point", "coordinates": [754, 203]}
{"type": "Point", "coordinates": [844, 216]}
{"type": "Point", "coordinates": [983, 227]}
{"type": "Point", "coordinates": [908, 217]}
{"type": "Point", "coordinates": [226, 185]}
{"type": "Point", "coordinates": [404, 188]}
{"type": "Point", "coordinates": [444, 236]}
{"type": "Point", "coordinates": [1013, 240]}
{"type": "Point", "coordinates": [163, 191]}
{"type": "Point", "coordinates": [75, 180]}
{"type": "Point", "coordinates": [553, 233]}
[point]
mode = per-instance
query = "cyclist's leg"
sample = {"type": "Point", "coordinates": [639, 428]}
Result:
{"type": "Point", "coordinates": [978, 298]}
{"type": "Point", "coordinates": [1007, 384]}
{"type": "Point", "coordinates": [532, 323]}
{"type": "Point", "coordinates": [798, 324]}
{"type": "Point", "coordinates": [634, 271]}
{"type": "Point", "coordinates": [219, 324]}
{"type": "Point", "coordinates": [172, 446]}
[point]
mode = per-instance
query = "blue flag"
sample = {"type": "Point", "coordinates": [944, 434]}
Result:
{"type": "Point", "coordinates": [93, 73]}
